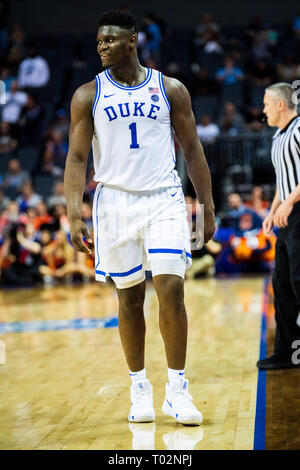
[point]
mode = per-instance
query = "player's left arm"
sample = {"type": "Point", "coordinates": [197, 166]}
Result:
{"type": "Point", "coordinates": [184, 125]}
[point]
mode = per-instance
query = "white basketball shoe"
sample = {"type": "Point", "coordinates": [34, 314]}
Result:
{"type": "Point", "coordinates": [141, 395]}
{"type": "Point", "coordinates": [178, 403]}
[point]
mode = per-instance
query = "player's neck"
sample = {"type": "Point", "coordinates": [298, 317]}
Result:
{"type": "Point", "coordinates": [130, 73]}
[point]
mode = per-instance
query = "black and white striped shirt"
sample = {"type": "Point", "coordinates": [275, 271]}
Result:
{"type": "Point", "coordinates": [286, 157]}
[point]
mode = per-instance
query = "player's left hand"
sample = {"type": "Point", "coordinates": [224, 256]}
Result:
{"type": "Point", "coordinates": [209, 229]}
{"type": "Point", "coordinates": [282, 213]}
{"type": "Point", "coordinates": [209, 224]}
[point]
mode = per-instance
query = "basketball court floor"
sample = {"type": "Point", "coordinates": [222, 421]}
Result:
{"type": "Point", "coordinates": [65, 383]}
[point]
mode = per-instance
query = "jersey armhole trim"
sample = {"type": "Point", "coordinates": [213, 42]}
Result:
{"type": "Point", "coordinates": [98, 93]}
{"type": "Point", "coordinates": [162, 87]}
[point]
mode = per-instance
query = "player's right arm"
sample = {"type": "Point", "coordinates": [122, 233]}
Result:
{"type": "Point", "coordinates": [80, 137]}
{"type": "Point", "coordinates": [268, 222]}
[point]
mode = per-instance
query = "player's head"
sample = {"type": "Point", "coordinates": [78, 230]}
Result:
{"type": "Point", "coordinates": [117, 37]}
{"type": "Point", "coordinates": [278, 100]}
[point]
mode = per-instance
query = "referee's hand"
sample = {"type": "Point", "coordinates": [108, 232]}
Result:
{"type": "Point", "coordinates": [268, 225]}
{"type": "Point", "coordinates": [282, 213]}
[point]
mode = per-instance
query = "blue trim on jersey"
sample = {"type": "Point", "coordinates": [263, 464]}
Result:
{"type": "Point", "coordinates": [98, 93]}
{"type": "Point", "coordinates": [96, 209]}
{"type": "Point", "coordinates": [162, 87]}
{"type": "Point", "coordinates": [168, 250]}
{"type": "Point", "coordinates": [127, 273]}
{"type": "Point", "coordinates": [141, 85]}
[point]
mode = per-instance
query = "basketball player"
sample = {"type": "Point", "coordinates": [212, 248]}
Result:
{"type": "Point", "coordinates": [139, 212]}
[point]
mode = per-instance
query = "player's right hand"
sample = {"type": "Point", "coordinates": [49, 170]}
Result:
{"type": "Point", "coordinates": [268, 225]}
{"type": "Point", "coordinates": [78, 229]}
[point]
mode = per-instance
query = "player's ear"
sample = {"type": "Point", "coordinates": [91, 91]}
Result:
{"type": "Point", "coordinates": [133, 40]}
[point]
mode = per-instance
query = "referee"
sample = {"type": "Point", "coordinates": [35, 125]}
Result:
{"type": "Point", "coordinates": [281, 111]}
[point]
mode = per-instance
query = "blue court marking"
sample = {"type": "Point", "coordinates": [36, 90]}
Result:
{"type": "Point", "coordinates": [260, 416]}
{"type": "Point", "coordinates": [168, 250]}
{"type": "Point", "coordinates": [55, 325]}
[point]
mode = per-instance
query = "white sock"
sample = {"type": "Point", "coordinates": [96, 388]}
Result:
{"type": "Point", "coordinates": [175, 375]}
{"type": "Point", "coordinates": [137, 376]}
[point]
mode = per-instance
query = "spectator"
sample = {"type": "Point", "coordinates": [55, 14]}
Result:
{"type": "Point", "coordinates": [254, 119]}
{"type": "Point", "coordinates": [207, 24]}
{"type": "Point", "coordinates": [62, 123]}
{"type": "Point", "coordinates": [7, 76]}
{"type": "Point", "coordinates": [33, 71]}
{"type": "Point", "coordinates": [262, 73]}
{"type": "Point", "coordinates": [58, 256]}
{"type": "Point", "coordinates": [86, 214]}
{"type": "Point", "coordinates": [9, 217]}
{"type": "Point", "coordinates": [42, 217]}
{"type": "Point", "coordinates": [174, 70]}
{"type": "Point", "coordinates": [28, 197]}
{"type": "Point", "coordinates": [59, 146]}
{"type": "Point", "coordinates": [236, 206]}
{"type": "Point", "coordinates": [15, 100]}
{"type": "Point", "coordinates": [288, 70]}
{"type": "Point", "coordinates": [58, 197]}
{"type": "Point", "coordinates": [258, 202]}
{"type": "Point", "coordinates": [262, 46]}
{"type": "Point", "coordinates": [229, 73]}
{"type": "Point", "coordinates": [25, 253]}
{"type": "Point", "coordinates": [4, 200]}
{"type": "Point", "coordinates": [153, 34]}
{"type": "Point", "coordinates": [212, 43]}
{"type": "Point", "coordinates": [17, 39]}
{"type": "Point", "coordinates": [250, 248]}
{"type": "Point", "coordinates": [48, 165]}
{"type": "Point", "coordinates": [207, 130]}
{"type": "Point", "coordinates": [15, 176]}
{"type": "Point", "coordinates": [202, 84]}
{"type": "Point", "coordinates": [7, 141]}
{"type": "Point", "coordinates": [231, 122]}
{"type": "Point", "coordinates": [30, 122]}
{"type": "Point", "coordinates": [3, 24]}
{"type": "Point", "coordinates": [296, 27]}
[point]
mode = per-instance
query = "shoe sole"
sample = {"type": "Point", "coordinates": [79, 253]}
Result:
{"type": "Point", "coordinates": [191, 421]}
{"type": "Point", "coordinates": [141, 419]}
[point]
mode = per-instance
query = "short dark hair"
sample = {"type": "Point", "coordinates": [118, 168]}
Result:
{"type": "Point", "coordinates": [123, 19]}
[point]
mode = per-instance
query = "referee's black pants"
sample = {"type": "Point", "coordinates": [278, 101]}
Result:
{"type": "Point", "coordinates": [286, 284]}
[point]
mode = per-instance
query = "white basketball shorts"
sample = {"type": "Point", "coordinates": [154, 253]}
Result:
{"type": "Point", "coordinates": [139, 231]}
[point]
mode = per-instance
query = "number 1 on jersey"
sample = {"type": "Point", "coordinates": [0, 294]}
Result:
{"type": "Point", "coordinates": [134, 144]}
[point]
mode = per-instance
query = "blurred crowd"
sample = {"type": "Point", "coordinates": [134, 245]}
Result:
{"type": "Point", "coordinates": [239, 245]}
{"type": "Point", "coordinates": [226, 71]}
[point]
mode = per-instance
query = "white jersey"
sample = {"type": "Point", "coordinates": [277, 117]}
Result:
{"type": "Point", "coordinates": [133, 147]}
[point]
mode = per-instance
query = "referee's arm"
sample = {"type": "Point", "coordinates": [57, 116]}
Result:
{"type": "Point", "coordinates": [284, 209]}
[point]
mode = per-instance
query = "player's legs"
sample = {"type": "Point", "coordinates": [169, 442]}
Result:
{"type": "Point", "coordinates": [172, 318]}
{"type": "Point", "coordinates": [132, 325]}
{"type": "Point", "coordinates": [132, 330]}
